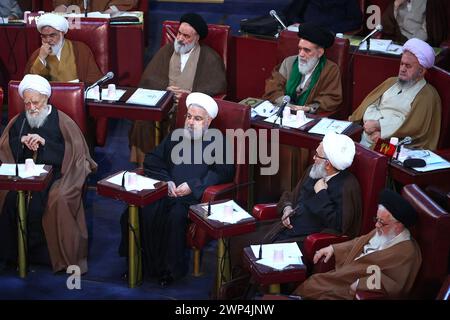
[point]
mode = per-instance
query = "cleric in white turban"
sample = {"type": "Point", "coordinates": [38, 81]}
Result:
{"type": "Point", "coordinates": [36, 83]}
{"type": "Point", "coordinates": [339, 149]}
{"type": "Point", "coordinates": [422, 50]}
{"type": "Point", "coordinates": [55, 21]}
{"type": "Point", "coordinates": [204, 101]}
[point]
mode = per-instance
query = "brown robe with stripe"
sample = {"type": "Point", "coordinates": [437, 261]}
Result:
{"type": "Point", "coordinates": [63, 221]}
{"type": "Point", "coordinates": [398, 264]}
{"type": "Point", "coordinates": [422, 124]}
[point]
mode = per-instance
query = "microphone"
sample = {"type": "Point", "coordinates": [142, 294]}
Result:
{"type": "Point", "coordinates": [103, 79]}
{"type": "Point", "coordinates": [378, 28]}
{"type": "Point", "coordinates": [286, 100]}
{"type": "Point", "coordinates": [20, 145]}
{"type": "Point", "coordinates": [230, 188]}
{"type": "Point", "coordinates": [85, 5]}
{"type": "Point", "coordinates": [123, 179]}
{"type": "Point", "coordinates": [405, 141]}
{"type": "Point", "coordinates": [274, 14]}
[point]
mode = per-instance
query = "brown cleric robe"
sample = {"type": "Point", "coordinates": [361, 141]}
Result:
{"type": "Point", "coordinates": [210, 78]}
{"type": "Point", "coordinates": [399, 265]}
{"type": "Point", "coordinates": [86, 67]}
{"type": "Point", "coordinates": [63, 221]}
{"type": "Point", "coordinates": [422, 124]}
{"type": "Point", "coordinates": [293, 161]}
{"type": "Point", "coordinates": [99, 5]}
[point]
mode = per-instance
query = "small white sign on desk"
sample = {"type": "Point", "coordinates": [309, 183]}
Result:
{"type": "Point", "coordinates": [146, 97]}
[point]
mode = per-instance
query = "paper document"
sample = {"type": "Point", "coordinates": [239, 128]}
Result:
{"type": "Point", "coordinates": [9, 169]}
{"type": "Point", "coordinates": [94, 14]}
{"type": "Point", "coordinates": [92, 94]}
{"type": "Point", "coordinates": [433, 161]}
{"type": "Point", "coordinates": [265, 109]}
{"type": "Point", "coordinates": [382, 45]}
{"type": "Point", "coordinates": [146, 97]}
{"type": "Point", "coordinates": [327, 125]}
{"type": "Point", "coordinates": [220, 213]}
{"type": "Point", "coordinates": [290, 121]}
{"type": "Point", "coordinates": [141, 183]}
{"type": "Point", "coordinates": [278, 255]}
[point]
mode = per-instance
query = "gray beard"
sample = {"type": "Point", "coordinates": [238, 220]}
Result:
{"type": "Point", "coordinates": [56, 47]}
{"type": "Point", "coordinates": [306, 67]}
{"type": "Point", "coordinates": [318, 171]}
{"type": "Point", "coordinates": [39, 120]}
{"type": "Point", "coordinates": [182, 48]}
{"type": "Point", "coordinates": [192, 134]}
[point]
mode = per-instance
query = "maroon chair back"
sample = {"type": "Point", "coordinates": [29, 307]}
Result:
{"type": "Point", "coordinates": [218, 37]}
{"type": "Point", "coordinates": [338, 53]}
{"type": "Point", "coordinates": [370, 168]}
{"type": "Point", "coordinates": [432, 232]}
{"type": "Point", "coordinates": [1, 96]}
{"type": "Point", "coordinates": [67, 97]}
{"type": "Point", "coordinates": [94, 32]}
{"type": "Point", "coordinates": [440, 79]}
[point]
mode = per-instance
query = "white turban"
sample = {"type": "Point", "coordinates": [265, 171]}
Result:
{"type": "Point", "coordinates": [53, 20]}
{"type": "Point", "coordinates": [422, 50]}
{"type": "Point", "coordinates": [339, 150]}
{"type": "Point", "coordinates": [204, 101]}
{"type": "Point", "coordinates": [36, 83]}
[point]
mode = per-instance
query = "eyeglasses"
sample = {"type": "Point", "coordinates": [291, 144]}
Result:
{"type": "Point", "coordinates": [196, 118]}
{"type": "Point", "coordinates": [380, 221]}
{"type": "Point", "coordinates": [316, 155]}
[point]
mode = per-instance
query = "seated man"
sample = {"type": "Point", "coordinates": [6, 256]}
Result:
{"type": "Point", "coordinates": [164, 223]}
{"type": "Point", "coordinates": [327, 198]}
{"type": "Point", "coordinates": [59, 59]}
{"type": "Point", "coordinates": [311, 80]}
{"type": "Point", "coordinates": [181, 67]}
{"type": "Point", "coordinates": [105, 6]}
{"type": "Point", "coordinates": [10, 9]}
{"type": "Point", "coordinates": [390, 247]}
{"type": "Point", "coordinates": [405, 105]}
{"type": "Point", "coordinates": [49, 136]}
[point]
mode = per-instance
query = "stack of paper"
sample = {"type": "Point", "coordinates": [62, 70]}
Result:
{"type": "Point", "coordinates": [218, 212]}
{"type": "Point", "coordinates": [146, 97]}
{"type": "Point", "coordinates": [92, 94]}
{"type": "Point", "coordinates": [329, 125]}
{"type": "Point", "coordinates": [265, 109]}
{"type": "Point", "coordinates": [290, 121]}
{"type": "Point", "coordinates": [382, 45]}
{"type": "Point", "coordinates": [291, 254]}
{"type": "Point", "coordinates": [433, 161]}
{"type": "Point", "coordinates": [142, 183]}
{"type": "Point", "coordinates": [9, 169]}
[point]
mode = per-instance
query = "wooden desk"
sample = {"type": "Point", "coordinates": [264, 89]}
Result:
{"type": "Point", "coordinates": [13, 183]}
{"type": "Point", "coordinates": [134, 199]}
{"type": "Point", "coordinates": [406, 176]}
{"type": "Point", "coordinates": [265, 275]}
{"type": "Point", "coordinates": [220, 231]}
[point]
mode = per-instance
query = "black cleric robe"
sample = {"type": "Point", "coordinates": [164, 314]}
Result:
{"type": "Point", "coordinates": [163, 224]}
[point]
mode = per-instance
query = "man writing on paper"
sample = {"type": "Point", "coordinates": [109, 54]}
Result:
{"type": "Point", "coordinates": [405, 105]}
{"type": "Point", "coordinates": [326, 199]}
{"type": "Point", "coordinates": [56, 214]}
{"type": "Point", "coordinates": [105, 6]}
{"type": "Point", "coordinates": [59, 59]}
{"type": "Point", "coordinates": [164, 223]}
{"type": "Point", "coordinates": [389, 246]}
{"type": "Point", "coordinates": [180, 67]}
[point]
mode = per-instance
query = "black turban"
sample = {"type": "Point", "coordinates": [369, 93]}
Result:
{"type": "Point", "coordinates": [398, 207]}
{"type": "Point", "coordinates": [196, 22]}
{"type": "Point", "coordinates": [316, 34]}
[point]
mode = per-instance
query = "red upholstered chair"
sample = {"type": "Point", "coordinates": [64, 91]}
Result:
{"type": "Point", "coordinates": [370, 168]}
{"type": "Point", "coordinates": [94, 32]}
{"type": "Point", "coordinates": [338, 53]}
{"type": "Point", "coordinates": [218, 39]}
{"type": "Point", "coordinates": [1, 96]}
{"type": "Point", "coordinates": [67, 97]}
{"type": "Point", "coordinates": [231, 116]}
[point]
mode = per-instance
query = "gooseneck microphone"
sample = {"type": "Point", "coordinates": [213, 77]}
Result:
{"type": "Point", "coordinates": [286, 100]}
{"type": "Point", "coordinates": [377, 29]}
{"type": "Point", "coordinates": [100, 81]}
{"type": "Point", "coordinates": [19, 146]}
{"type": "Point", "coordinates": [274, 14]}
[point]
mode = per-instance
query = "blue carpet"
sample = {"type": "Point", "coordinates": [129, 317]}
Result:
{"type": "Point", "coordinates": [105, 266]}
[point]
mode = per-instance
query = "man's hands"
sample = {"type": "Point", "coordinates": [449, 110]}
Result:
{"type": "Point", "coordinates": [284, 220]}
{"type": "Point", "coordinates": [296, 108]}
{"type": "Point", "coordinates": [32, 141]}
{"type": "Point", "coordinates": [45, 51]}
{"type": "Point", "coordinates": [372, 129]}
{"type": "Point", "coordinates": [180, 191]}
{"type": "Point", "coordinates": [177, 92]}
{"type": "Point", "coordinates": [327, 252]}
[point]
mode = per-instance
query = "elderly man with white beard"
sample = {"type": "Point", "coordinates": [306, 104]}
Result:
{"type": "Point", "coordinates": [326, 199]}
{"type": "Point", "coordinates": [60, 59]}
{"type": "Point", "coordinates": [181, 67]}
{"type": "Point", "coordinates": [163, 223]}
{"type": "Point", "coordinates": [389, 247]}
{"type": "Point", "coordinates": [55, 215]}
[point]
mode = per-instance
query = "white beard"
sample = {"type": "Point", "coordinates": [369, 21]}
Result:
{"type": "Point", "coordinates": [38, 120]}
{"type": "Point", "coordinates": [57, 47]}
{"type": "Point", "coordinates": [307, 66]}
{"type": "Point", "coordinates": [181, 48]}
{"type": "Point", "coordinates": [318, 171]}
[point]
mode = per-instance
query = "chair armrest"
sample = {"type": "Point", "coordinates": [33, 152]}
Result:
{"type": "Point", "coordinates": [212, 192]}
{"type": "Point", "coordinates": [221, 96]}
{"type": "Point", "coordinates": [445, 44]}
{"type": "Point", "coordinates": [317, 241]}
{"type": "Point", "coordinates": [265, 211]}
{"type": "Point", "coordinates": [369, 295]}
